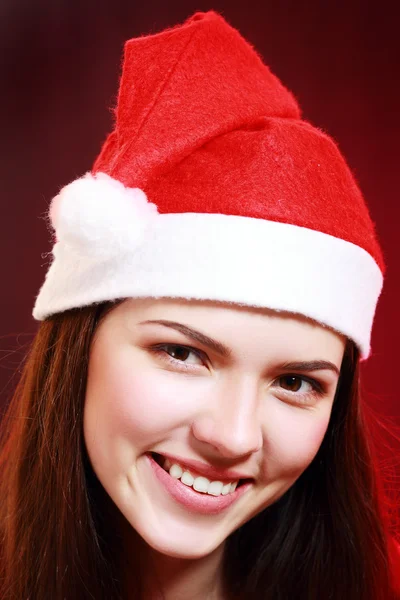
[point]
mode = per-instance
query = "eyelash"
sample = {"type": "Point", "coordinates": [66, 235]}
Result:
{"type": "Point", "coordinates": [161, 351]}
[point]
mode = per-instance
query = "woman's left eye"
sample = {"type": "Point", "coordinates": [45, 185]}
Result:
{"type": "Point", "coordinates": [297, 385]}
{"type": "Point", "coordinates": [291, 383]}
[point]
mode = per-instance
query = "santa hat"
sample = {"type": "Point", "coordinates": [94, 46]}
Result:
{"type": "Point", "coordinates": [212, 187]}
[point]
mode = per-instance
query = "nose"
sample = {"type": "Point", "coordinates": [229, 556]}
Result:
{"type": "Point", "coordinates": [230, 421]}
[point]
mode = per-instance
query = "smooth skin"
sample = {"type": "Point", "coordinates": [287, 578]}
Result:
{"type": "Point", "coordinates": [257, 398]}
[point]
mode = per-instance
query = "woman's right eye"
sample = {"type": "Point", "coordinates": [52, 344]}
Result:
{"type": "Point", "coordinates": [178, 355]}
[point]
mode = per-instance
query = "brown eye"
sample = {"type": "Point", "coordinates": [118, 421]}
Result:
{"type": "Point", "coordinates": [292, 383]}
{"type": "Point", "coordinates": [185, 355]}
{"type": "Point", "coordinates": [179, 352]}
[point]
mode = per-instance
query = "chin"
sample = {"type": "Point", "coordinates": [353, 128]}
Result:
{"type": "Point", "coordinates": [181, 546]}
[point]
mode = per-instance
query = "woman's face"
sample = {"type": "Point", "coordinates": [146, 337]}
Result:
{"type": "Point", "coordinates": [214, 394]}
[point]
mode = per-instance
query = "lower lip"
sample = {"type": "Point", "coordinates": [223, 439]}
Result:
{"type": "Point", "coordinates": [195, 501]}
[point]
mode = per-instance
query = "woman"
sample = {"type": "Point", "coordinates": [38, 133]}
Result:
{"type": "Point", "coordinates": [188, 423]}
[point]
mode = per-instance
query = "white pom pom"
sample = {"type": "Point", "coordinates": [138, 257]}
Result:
{"type": "Point", "coordinates": [98, 215]}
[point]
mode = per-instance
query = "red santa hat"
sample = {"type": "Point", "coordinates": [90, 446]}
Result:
{"type": "Point", "coordinates": [212, 187]}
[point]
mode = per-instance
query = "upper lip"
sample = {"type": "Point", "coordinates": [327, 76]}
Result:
{"type": "Point", "coordinates": [213, 473]}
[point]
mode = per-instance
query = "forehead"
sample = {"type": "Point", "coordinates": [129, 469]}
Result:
{"type": "Point", "coordinates": [242, 329]}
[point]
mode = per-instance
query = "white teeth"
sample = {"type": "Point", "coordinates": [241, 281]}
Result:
{"type": "Point", "coordinates": [175, 471]}
{"type": "Point", "coordinates": [215, 488]}
{"type": "Point", "coordinates": [226, 489]}
{"type": "Point", "coordinates": [200, 484]}
{"type": "Point", "coordinates": [187, 478]}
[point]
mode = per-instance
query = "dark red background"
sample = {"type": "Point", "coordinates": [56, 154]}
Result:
{"type": "Point", "coordinates": [59, 72]}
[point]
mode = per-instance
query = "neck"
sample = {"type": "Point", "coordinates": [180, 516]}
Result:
{"type": "Point", "coordinates": [182, 579]}
{"type": "Point", "coordinates": [170, 578]}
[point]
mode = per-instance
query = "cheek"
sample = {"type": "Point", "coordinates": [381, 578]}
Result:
{"type": "Point", "coordinates": [294, 437]}
{"type": "Point", "coordinates": [138, 403]}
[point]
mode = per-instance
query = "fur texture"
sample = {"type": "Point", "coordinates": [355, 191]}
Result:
{"type": "Point", "coordinates": [98, 216]}
{"type": "Point", "coordinates": [227, 258]}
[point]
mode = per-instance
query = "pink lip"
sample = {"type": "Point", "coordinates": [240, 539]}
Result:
{"type": "Point", "coordinates": [192, 500]}
{"type": "Point", "coordinates": [208, 471]}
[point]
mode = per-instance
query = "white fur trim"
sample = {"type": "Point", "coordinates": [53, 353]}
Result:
{"type": "Point", "coordinates": [97, 215]}
{"type": "Point", "coordinates": [233, 259]}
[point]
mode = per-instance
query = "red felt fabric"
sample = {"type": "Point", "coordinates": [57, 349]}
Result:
{"type": "Point", "coordinates": [202, 125]}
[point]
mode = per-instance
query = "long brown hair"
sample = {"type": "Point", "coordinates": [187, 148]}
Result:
{"type": "Point", "coordinates": [324, 539]}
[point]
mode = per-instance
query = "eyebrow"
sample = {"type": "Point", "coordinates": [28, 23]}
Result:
{"type": "Point", "coordinates": [195, 335]}
{"type": "Point", "coordinates": [221, 349]}
{"type": "Point", "coordinates": [311, 365]}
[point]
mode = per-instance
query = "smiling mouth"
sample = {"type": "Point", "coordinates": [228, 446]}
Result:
{"type": "Point", "coordinates": [196, 481]}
